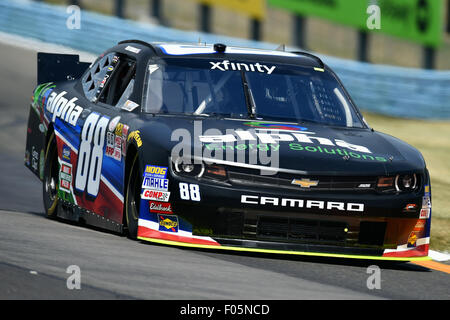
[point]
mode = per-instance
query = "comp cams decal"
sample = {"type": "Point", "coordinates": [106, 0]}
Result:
{"type": "Point", "coordinates": [148, 194]}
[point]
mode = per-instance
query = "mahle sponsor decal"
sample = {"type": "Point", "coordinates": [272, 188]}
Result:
{"type": "Point", "coordinates": [301, 203]}
{"type": "Point", "coordinates": [155, 183]}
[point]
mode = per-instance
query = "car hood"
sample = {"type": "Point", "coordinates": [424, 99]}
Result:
{"type": "Point", "coordinates": [308, 148]}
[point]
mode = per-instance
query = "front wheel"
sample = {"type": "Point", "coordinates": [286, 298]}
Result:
{"type": "Point", "coordinates": [133, 199]}
{"type": "Point", "coordinates": [51, 179]}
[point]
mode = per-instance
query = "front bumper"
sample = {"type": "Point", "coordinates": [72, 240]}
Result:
{"type": "Point", "coordinates": [259, 222]}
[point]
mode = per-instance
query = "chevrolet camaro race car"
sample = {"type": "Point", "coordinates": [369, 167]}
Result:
{"type": "Point", "coordinates": [223, 147]}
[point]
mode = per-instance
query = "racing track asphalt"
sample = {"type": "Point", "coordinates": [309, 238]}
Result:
{"type": "Point", "coordinates": [35, 251]}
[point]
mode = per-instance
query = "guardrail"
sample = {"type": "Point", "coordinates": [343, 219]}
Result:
{"type": "Point", "coordinates": [395, 91]}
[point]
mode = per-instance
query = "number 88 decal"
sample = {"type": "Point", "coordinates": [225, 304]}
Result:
{"type": "Point", "coordinates": [90, 154]}
{"type": "Point", "coordinates": [189, 191]}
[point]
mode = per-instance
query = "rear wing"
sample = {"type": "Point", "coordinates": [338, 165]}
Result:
{"type": "Point", "coordinates": [54, 67]}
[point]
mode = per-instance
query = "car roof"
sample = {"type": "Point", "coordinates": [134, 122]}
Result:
{"type": "Point", "coordinates": [203, 50]}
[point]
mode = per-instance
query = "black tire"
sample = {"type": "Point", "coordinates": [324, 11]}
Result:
{"type": "Point", "coordinates": [133, 199]}
{"type": "Point", "coordinates": [51, 179]}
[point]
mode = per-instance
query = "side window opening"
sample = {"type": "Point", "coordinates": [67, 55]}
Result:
{"type": "Point", "coordinates": [120, 82]}
{"type": "Point", "coordinates": [93, 77]}
{"type": "Point", "coordinates": [110, 79]}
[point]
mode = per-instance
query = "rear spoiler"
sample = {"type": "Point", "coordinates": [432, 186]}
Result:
{"type": "Point", "coordinates": [54, 67]}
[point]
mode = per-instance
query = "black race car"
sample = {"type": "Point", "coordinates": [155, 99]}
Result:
{"type": "Point", "coordinates": [226, 148]}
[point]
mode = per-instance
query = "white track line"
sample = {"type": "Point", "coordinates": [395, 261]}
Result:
{"type": "Point", "coordinates": [439, 256]}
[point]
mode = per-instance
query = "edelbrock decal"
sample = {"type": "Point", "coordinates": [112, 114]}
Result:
{"type": "Point", "coordinates": [160, 207]}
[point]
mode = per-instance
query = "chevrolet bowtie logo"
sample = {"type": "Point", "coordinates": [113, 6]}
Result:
{"type": "Point", "coordinates": [305, 183]}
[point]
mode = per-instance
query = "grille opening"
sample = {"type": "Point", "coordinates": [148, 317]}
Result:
{"type": "Point", "coordinates": [242, 177]}
{"type": "Point", "coordinates": [372, 233]}
{"type": "Point", "coordinates": [301, 229]}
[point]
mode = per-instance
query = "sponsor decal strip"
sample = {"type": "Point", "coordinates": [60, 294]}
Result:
{"type": "Point", "coordinates": [151, 229]}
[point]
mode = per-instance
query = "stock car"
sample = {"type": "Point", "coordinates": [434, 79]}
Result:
{"type": "Point", "coordinates": [221, 147]}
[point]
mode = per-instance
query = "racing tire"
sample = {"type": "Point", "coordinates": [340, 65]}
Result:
{"type": "Point", "coordinates": [51, 179]}
{"type": "Point", "coordinates": [133, 199]}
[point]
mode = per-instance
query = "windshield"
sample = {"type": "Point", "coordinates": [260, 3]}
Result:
{"type": "Point", "coordinates": [248, 90]}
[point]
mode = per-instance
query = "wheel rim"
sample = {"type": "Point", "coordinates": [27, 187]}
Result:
{"type": "Point", "coordinates": [51, 179]}
{"type": "Point", "coordinates": [133, 203]}
{"type": "Point", "coordinates": [133, 200]}
{"type": "Point", "coordinates": [51, 186]}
